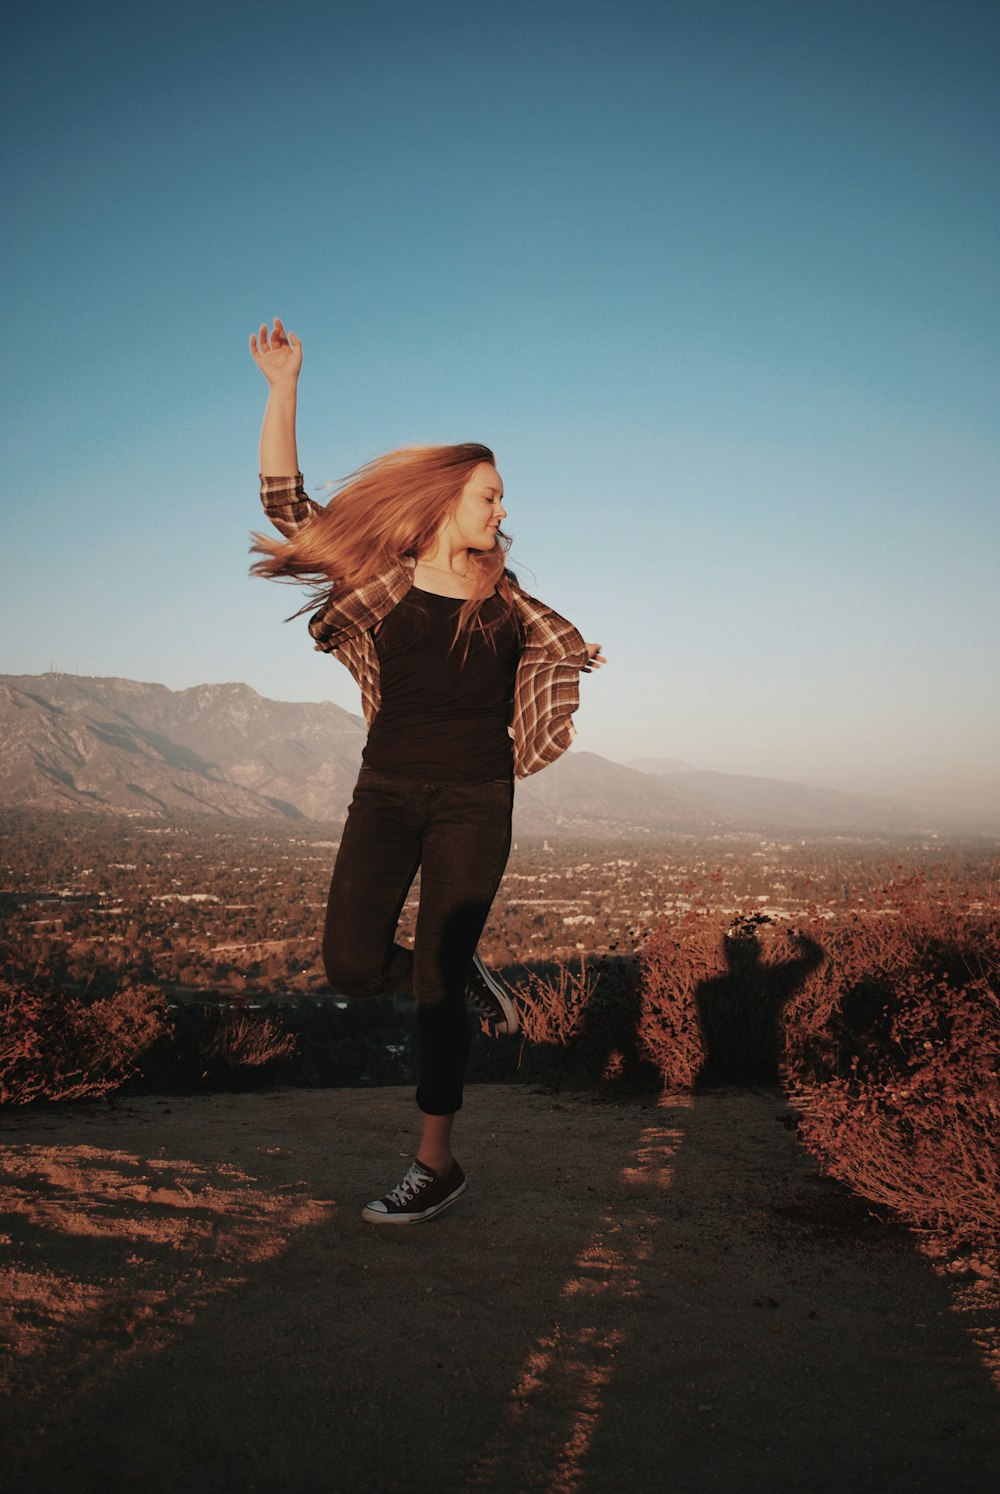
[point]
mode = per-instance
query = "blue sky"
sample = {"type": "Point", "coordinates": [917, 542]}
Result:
{"type": "Point", "coordinates": [717, 281]}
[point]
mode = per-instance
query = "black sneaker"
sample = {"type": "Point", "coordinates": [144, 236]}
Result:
{"type": "Point", "coordinates": [490, 999]}
{"type": "Point", "coordinates": [420, 1195]}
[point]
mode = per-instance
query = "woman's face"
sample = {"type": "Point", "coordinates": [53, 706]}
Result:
{"type": "Point", "coordinates": [480, 509]}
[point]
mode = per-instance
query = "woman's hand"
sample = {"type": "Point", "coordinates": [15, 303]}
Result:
{"type": "Point", "coordinates": [278, 356]}
{"type": "Point", "coordinates": [594, 658]}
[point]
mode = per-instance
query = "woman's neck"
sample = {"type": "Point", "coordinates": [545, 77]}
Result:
{"type": "Point", "coordinates": [445, 569]}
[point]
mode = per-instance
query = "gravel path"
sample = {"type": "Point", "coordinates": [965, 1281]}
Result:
{"type": "Point", "coordinates": [629, 1297]}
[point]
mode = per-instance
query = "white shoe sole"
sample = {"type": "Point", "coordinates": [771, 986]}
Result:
{"type": "Point", "coordinates": [372, 1215]}
{"type": "Point", "coordinates": [511, 1021]}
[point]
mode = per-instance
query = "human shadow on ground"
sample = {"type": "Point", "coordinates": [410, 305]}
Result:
{"type": "Point", "coordinates": [775, 1312]}
{"type": "Point", "coordinates": [608, 1044]}
{"type": "Point", "coordinates": [624, 1288]}
{"type": "Point", "coordinates": [604, 1007]}
{"type": "Point", "coordinates": [740, 1011]}
{"type": "Point", "coordinates": [599, 1006]}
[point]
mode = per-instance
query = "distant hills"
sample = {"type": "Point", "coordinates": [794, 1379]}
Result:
{"type": "Point", "coordinates": [793, 806]}
{"type": "Point", "coordinates": [68, 742]}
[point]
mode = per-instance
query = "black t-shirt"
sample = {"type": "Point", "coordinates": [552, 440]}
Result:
{"type": "Point", "coordinates": [445, 706]}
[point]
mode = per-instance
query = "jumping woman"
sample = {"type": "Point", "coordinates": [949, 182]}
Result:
{"type": "Point", "coordinates": [465, 681]}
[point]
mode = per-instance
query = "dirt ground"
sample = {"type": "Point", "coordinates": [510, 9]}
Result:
{"type": "Point", "coordinates": [643, 1297]}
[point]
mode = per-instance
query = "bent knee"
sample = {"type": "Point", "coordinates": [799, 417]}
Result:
{"type": "Point", "coordinates": [355, 973]}
{"type": "Point", "coordinates": [349, 976]}
{"type": "Point", "coordinates": [351, 984]}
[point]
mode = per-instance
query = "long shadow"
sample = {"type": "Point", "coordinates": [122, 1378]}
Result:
{"type": "Point", "coordinates": [740, 1011]}
{"type": "Point", "coordinates": [650, 1298]}
{"type": "Point", "coordinates": [787, 1339]}
{"type": "Point", "coordinates": [739, 1014]}
{"type": "Point", "coordinates": [348, 1358]}
{"type": "Point", "coordinates": [604, 1052]}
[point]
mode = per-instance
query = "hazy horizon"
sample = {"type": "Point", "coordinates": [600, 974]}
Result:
{"type": "Point", "coordinates": [925, 792]}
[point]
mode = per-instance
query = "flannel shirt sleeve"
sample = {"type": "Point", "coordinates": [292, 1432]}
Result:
{"type": "Point", "coordinates": [547, 687]}
{"type": "Point", "coordinates": [286, 504]}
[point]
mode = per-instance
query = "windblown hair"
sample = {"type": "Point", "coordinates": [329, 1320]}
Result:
{"type": "Point", "coordinates": [389, 509]}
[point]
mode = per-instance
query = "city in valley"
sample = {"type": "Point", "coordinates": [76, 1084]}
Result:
{"type": "Point", "coordinates": [235, 908]}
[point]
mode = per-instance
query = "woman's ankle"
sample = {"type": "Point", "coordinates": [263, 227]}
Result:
{"type": "Point", "coordinates": [437, 1162]}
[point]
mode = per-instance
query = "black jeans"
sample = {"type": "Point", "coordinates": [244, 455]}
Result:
{"type": "Point", "coordinates": [458, 834]}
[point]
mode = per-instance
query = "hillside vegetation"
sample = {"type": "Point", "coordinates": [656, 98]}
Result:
{"type": "Point", "coordinates": [869, 988]}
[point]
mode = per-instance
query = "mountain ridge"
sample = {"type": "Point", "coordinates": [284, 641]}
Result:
{"type": "Point", "coordinates": [114, 745]}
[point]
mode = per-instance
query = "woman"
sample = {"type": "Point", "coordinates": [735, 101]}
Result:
{"type": "Point", "coordinates": [464, 680]}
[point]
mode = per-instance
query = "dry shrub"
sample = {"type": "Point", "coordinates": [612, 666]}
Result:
{"type": "Point", "coordinates": [675, 961]}
{"type": "Point", "coordinates": [57, 1047]}
{"type": "Point", "coordinates": [699, 999]}
{"type": "Point", "coordinates": [714, 991]}
{"type": "Point", "coordinates": [891, 1055]}
{"type": "Point", "coordinates": [553, 1003]}
{"type": "Point", "coordinates": [249, 1040]}
{"type": "Point", "coordinates": [886, 1026]}
{"type": "Point", "coordinates": [581, 1026]}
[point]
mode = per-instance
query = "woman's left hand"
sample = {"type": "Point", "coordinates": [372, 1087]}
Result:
{"type": "Point", "coordinates": [594, 658]}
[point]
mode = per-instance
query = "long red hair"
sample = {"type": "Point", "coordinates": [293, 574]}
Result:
{"type": "Point", "coordinates": [389, 509]}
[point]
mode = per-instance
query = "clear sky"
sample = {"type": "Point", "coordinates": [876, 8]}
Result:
{"type": "Point", "coordinates": [717, 280]}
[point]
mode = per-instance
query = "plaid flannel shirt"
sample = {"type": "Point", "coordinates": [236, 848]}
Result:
{"type": "Point", "coordinates": [547, 683]}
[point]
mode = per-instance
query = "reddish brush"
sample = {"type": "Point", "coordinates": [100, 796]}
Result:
{"type": "Point", "coordinates": [241, 1039]}
{"type": "Point", "coordinates": [892, 1054]}
{"type": "Point", "coordinates": [884, 1027]}
{"type": "Point", "coordinates": [675, 960]}
{"type": "Point", "coordinates": [552, 1005]}
{"type": "Point", "coordinates": [54, 1047]}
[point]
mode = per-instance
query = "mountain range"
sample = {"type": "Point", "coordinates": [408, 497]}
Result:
{"type": "Point", "coordinates": [121, 746]}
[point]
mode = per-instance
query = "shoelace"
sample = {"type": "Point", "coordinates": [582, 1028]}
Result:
{"type": "Point", "coordinates": [483, 1003]}
{"type": "Point", "coordinates": [483, 999]}
{"type": "Point", "coordinates": [411, 1185]}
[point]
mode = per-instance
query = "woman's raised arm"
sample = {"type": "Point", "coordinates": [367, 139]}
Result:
{"type": "Point", "coordinates": [279, 358]}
